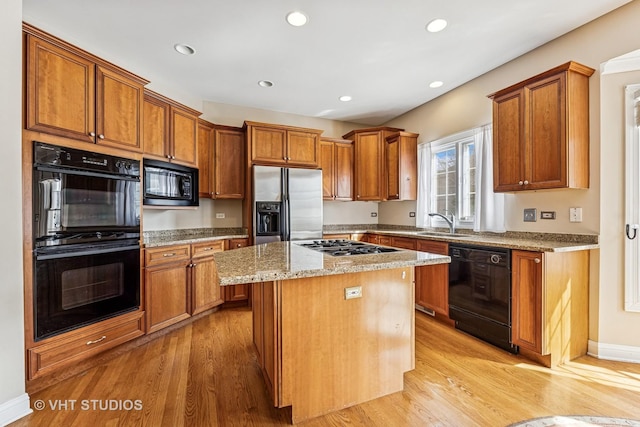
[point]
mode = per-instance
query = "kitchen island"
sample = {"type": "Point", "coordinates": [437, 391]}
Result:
{"type": "Point", "coordinates": [330, 332]}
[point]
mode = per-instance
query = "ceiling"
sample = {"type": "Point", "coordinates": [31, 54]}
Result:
{"type": "Point", "coordinates": [378, 52]}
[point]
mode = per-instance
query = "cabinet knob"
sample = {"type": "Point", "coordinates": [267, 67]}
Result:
{"type": "Point", "coordinates": [217, 192]}
{"type": "Point", "coordinates": [520, 182]}
{"type": "Point", "coordinates": [168, 156]}
{"type": "Point", "coordinates": [358, 196]}
{"type": "Point", "coordinates": [101, 136]}
{"type": "Point", "coordinates": [526, 182]}
{"type": "Point", "coordinates": [92, 134]}
{"type": "Point", "coordinates": [537, 260]}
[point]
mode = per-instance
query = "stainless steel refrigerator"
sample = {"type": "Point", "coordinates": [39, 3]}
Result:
{"type": "Point", "coordinates": [287, 204]}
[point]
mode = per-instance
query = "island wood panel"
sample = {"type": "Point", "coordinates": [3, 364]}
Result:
{"type": "Point", "coordinates": [336, 352]}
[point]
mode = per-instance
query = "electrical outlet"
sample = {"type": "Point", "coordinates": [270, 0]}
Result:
{"type": "Point", "coordinates": [548, 215]}
{"type": "Point", "coordinates": [530, 215]}
{"type": "Point", "coordinates": [220, 215]}
{"type": "Point", "coordinates": [412, 214]}
{"type": "Point", "coordinates": [575, 214]}
{"type": "Point", "coordinates": [374, 214]}
{"type": "Point", "coordinates": [353, 292]}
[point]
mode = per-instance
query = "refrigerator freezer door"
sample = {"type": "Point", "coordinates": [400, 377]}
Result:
{"type": "Point", "coordinates": [305, 204]}
{"type": "Point", "coordinates": [267, 184]}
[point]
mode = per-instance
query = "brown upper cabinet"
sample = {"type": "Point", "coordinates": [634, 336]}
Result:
{"type": "Point", "coordinates": [271, 144]}
{"type": "Point", "coordinates": [369, 172]}
{"type": "Point", "coordinates": [170, 130]}
{"type": "Point", "coordinates": [74, 94]}
{"type": "Point", "coordinates": [402, 166]}
{"type": "Point", "coordinates": [221, 161]}
{"type": "Point", "coordinates": [541, 131]}
{"type": "Point", "coordinates": [336, 161]}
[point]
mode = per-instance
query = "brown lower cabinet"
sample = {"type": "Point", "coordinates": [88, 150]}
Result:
{"type": "Point", "coordinates": [550, 304]}
{"type": "Point", "coordinates": [432, 282]}
{"type": "Point", "coordinates": [237, 293]}
{"type": "Point", "coordinates": [180, 282]}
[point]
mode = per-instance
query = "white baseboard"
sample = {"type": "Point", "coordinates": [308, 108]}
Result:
{"type": "Point", "coordinates": [14, 409]}
{"type": "Point", "coordinates": [619, 353]}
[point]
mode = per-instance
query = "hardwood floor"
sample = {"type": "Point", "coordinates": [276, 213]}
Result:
{"type": "Point", "coordinates": [205, 374]}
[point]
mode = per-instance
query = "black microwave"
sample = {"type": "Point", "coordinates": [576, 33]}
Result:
{"type": "Point", "coordinates": [168, 184]}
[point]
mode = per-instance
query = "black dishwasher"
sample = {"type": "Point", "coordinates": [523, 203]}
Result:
{"type": "Point", "coordinates": [480, 293]}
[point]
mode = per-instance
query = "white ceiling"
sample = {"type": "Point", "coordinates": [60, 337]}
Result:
{"type": "Point", "coordinates": [376, 51]}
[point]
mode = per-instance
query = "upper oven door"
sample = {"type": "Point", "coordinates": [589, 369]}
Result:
{"type": "Point", "coordinates": [69, 201]}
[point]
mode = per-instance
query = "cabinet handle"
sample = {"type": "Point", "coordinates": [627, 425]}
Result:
{"type": "Point", "coordinates": [168, 255]}
{"type": "Point", "coordinates": [537, 260]}
{"type": "Point", "coordinates": [206, 249]}
{"type": "Point", "coordinates": [104, 337]}
{"type": "Point", "coordinates": [238, 245]}
{"type": "Point", "coordinates": [92, 134]}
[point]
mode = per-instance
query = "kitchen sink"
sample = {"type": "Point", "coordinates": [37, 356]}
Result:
{"type": "Point", "coordinates": [441, 234]}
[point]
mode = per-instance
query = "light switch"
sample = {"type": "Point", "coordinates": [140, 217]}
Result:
{"type": "Point", "coordinates": [530, 215]}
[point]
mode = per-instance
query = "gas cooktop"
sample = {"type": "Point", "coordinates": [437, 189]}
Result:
{"type": "Point", "coordinates": [345, 247]}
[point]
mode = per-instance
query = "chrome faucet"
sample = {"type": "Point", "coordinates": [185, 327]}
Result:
{"type": "Point", "coordinates": [451, 222]}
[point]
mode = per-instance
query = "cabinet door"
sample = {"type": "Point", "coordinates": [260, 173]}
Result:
{"type": "Point", "coordinates": [508, 142]}
{"type": "Point", "coordinates": [328, 171]}
{"type": "Point", "coordinates": [404, 243]}
{"type": "Point", "coordinates": [205, 159]}
{"type": "Point", "coordinates": [393, 171]}
{"type": "Point", "coordinates": [184, 137]}
{"type": "Point", "coordinates": [526, 295]}
{"type": "Point", "coordinates": [268, 145]}
{"type": "Point", "coordinates": [118, 110]}
{"type": "Point", "coordinates": [206, 291]}
{"type": "Point", "coordinates": [167, 295]}
{"type": "Point", "coordinates": [60, 91]}
{"type": "Point", "coordinates": [155, 134]}
{"type": "Point", "coordinates": [256, 312]}
{"type": "Point", "coordinates": [236, 293]}
{"type": "Point", "coordinates": [432, 281]}
{"type": "Point", "coordinates": [343, 171]}
{"type": "Point", "coordinates": [302, 148]}
{"type": "Point", "coordinates": [229, 165]}
{"type": "Point", "coordinates": [546, 143]}
{"type": "Point", "coordinates": [369, 157]}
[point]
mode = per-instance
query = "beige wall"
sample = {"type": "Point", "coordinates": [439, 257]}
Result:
{"type": "Point", "coordinates": [467, 107]}
{"type": "Point", "coordinates": [350, 213]}
{"type": "Point", "coordinates": [12, 387]}
{"type": "Point", "coordinates": [202, 217]}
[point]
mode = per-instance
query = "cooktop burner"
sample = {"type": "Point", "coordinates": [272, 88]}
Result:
{"type": "Point", "coordinates": [346, 247]}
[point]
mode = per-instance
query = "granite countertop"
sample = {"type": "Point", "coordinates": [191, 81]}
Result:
{"type": "Point", "coordinates": [289, 260]}
{"type": "Point", "coordinates": [538, 242]}
{"type": "Point", "coordinates": [152, 239]}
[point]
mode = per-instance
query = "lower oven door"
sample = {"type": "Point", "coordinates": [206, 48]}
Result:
{"type": "Point", "coordinates": [74, 288]}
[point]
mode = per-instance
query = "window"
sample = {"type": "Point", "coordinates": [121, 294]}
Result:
{"type": "Point", "coordinates": [453, 179]}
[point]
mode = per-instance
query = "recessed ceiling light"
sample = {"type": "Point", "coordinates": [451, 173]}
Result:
{"type": "Point", "coordinates": [297, 18]}
{"type": "Point", "coordinates": [184, 49]}
{"type": "Point", "coordinates": [436, 25]}
{"type": "Point", "coordinates": [265, 83]}
{"type": "Point", "coordinates": [345, 98]}
{"type": "Point", "coordinates": [435, 84]}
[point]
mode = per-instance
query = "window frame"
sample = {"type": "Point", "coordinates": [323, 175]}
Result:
{"type": "Point", "coordinates": [456, 141]}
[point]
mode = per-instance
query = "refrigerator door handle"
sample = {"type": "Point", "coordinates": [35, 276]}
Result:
{"type": "Point", "coordinates": [286, 223]}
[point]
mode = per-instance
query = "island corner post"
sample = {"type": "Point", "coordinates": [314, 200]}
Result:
{"type": "Point", "coordinates": [330, 342]}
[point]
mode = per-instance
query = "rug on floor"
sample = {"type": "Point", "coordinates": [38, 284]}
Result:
{"type": "Point", "coordinates": [576, 421]}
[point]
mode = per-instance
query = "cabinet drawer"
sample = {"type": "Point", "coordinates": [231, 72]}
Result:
{"type": "Point", "coordinates": [236, 243]}
{"type": "Point", "coordinates": [440, 248]}
{"type": "Point", "coordinates": [403, 242]}
{"type": "Point", "coordinates": [155, 256]}
{"type": "Point", "coordinates": [206, 248]}
{"type": "Point", "coordinates": [65, 351]}
{"type": "Point", "coordinates": [384, 240]}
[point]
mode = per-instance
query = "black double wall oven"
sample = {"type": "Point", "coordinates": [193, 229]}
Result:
{"type": "Point", "coordinates": [86, 228]}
